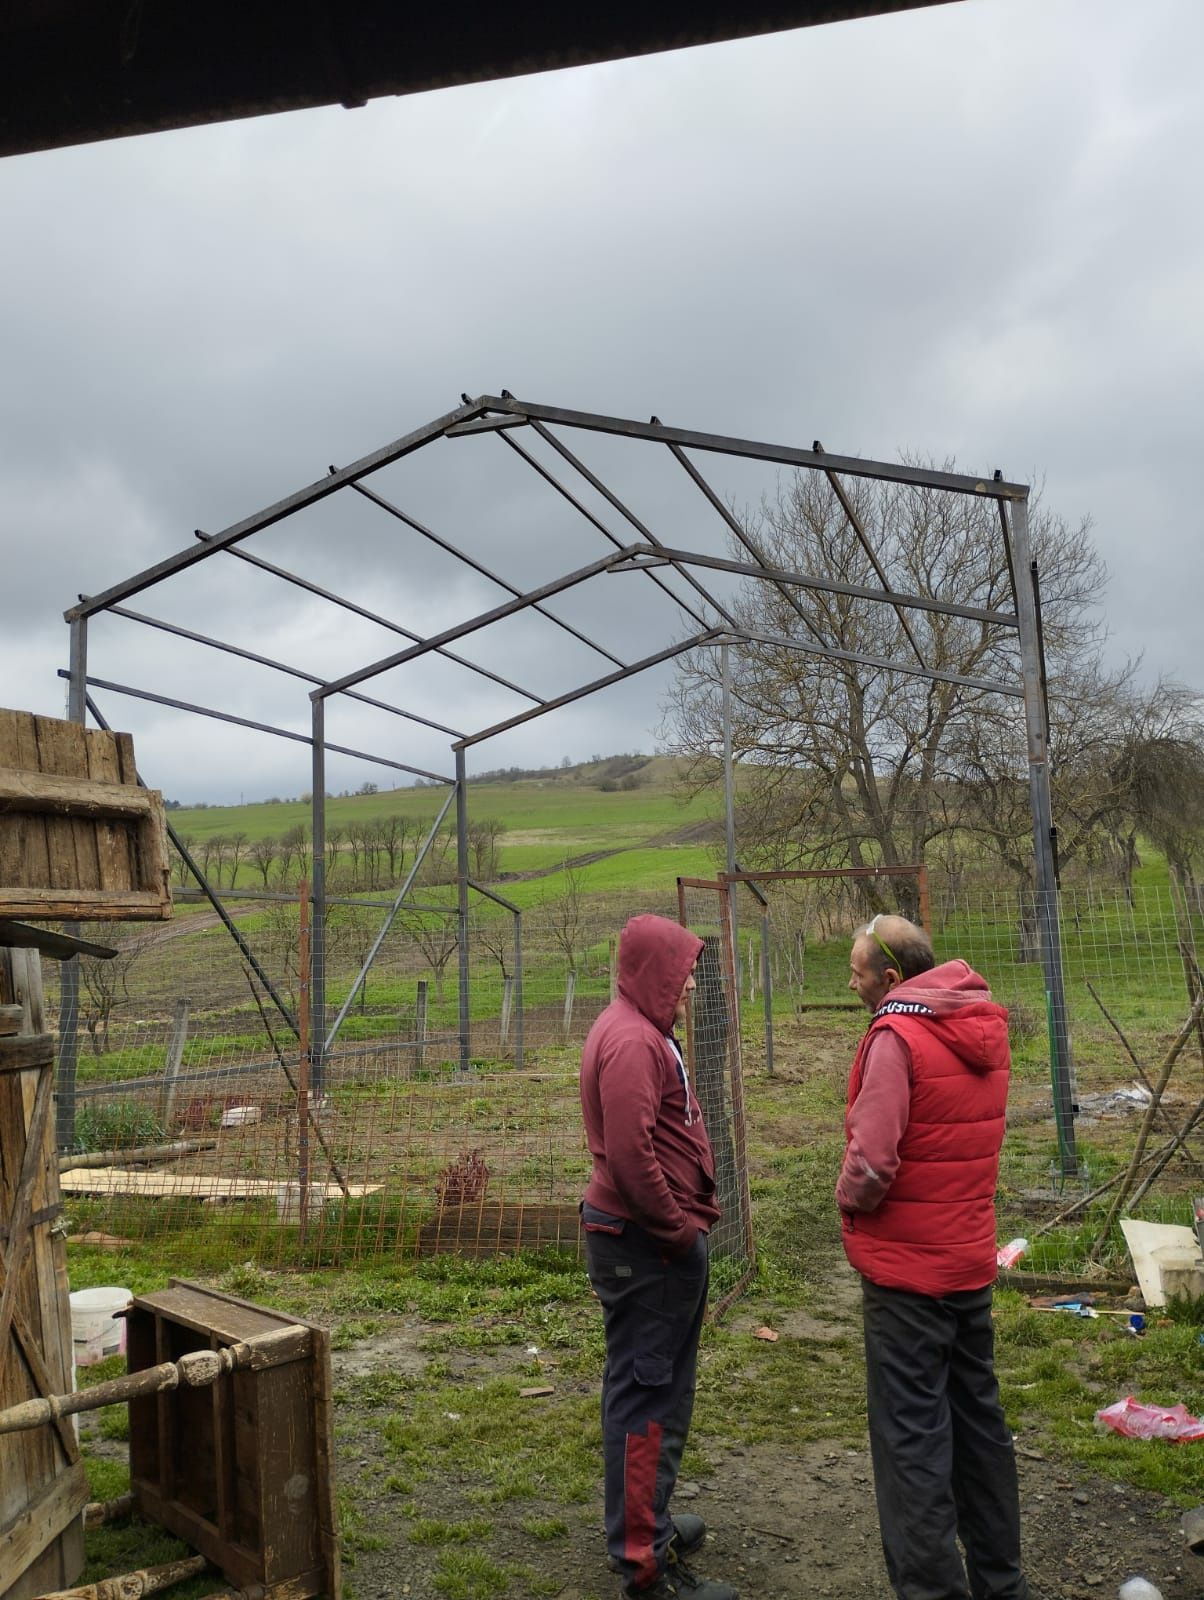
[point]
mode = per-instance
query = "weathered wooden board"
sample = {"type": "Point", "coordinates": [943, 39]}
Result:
{"type": "Point", "coordinates": [42, 1485]}
{"type": "Point", "coordinates": [192, 1185]}
{"type": "Point", "coordinates": [79, 837]}
{"type": "Point", "coordinates": [242, 1470]}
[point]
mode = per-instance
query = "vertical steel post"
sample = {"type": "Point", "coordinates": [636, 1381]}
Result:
{"type": "Point", "coordinates": [317, 941]}
{"type": "Point", "coordinates": [303, 1057]}
{"type": "Point", "coordinates": [729, 810]}
{"type": "Point", "coordinates": [518, 989]}
{"type": "Point", "coordinates": [1037, 729]}
{"type": "Point", "coordinates": [462, 908]}
{"type": "Point", "coordinates": [68, 1061]}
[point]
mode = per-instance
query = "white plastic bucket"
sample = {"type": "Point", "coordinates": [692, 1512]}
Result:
{"type": "Point", "coordinates": [97, 1331]}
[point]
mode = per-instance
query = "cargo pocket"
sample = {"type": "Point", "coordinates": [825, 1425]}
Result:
{"type": "Point", "coordinates": [653, 1370]}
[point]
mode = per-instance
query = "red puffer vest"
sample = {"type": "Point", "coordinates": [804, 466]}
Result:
{"type": "Point", "coordinates": [934, 1233]}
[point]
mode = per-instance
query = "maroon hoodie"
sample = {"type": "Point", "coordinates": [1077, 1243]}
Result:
{"type": "Point", "coordinates": [925, 1121]}
{"type": "Point", "coordinates": [652, 1158]}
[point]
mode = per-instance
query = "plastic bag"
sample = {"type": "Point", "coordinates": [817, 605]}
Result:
{"type": "Point", "coordinates": [1136, 1420]}
{"type": "Point", "coordinates": [1009, 1254]}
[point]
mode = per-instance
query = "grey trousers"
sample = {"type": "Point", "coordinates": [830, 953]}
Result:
{"type": "Point", "coordinates": [653, 1308]}
{"type": "Point", "coordinates": [944, 1462]}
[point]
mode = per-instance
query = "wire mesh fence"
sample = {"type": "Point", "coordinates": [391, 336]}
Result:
{"type": "Point", "coordinates": [188, 1121]}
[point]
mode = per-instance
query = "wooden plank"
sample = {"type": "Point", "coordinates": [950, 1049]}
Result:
{"type": "Point", "coordinates": [119, 869]}
{"type": "Point", "coordinates": [153, 862]}
{"type": "Point", "coordinates": [19, 748]}
{"type": "Point", "coordinates": [191, 1185]}
{"type": "Point", "coordinates": [62, 750]}
{"type": "Point", "coordinates": [286, 1455]}
{"type": "Point", "coordinates": [24, 1537]}
{"type": "Point", "coordinates": [11, 1019]}
{"type": "Point", "coordinates": [324, 1484]}
{"type": "Point", "coordinates": [25, 1051]}
{"type": "Point", "coordinates": [53, 794]}
{"type": "Point", "coordinates": [84, 902]}
{"type": "Point", "coordinates": [22, 1201]}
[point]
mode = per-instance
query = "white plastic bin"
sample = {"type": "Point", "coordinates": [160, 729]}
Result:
{"type": "Point", "coordinates": [97, 1331]}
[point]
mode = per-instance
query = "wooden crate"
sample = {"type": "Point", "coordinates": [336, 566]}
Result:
{"type": "Point", "coordinates": [242, 1470]}
{"type": "Point", "coordinates": [43, 1488]}
{"type": "Point", "coordinates": [79, 837]}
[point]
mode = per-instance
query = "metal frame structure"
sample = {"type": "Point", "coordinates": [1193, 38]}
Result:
{"type": "Point", "coordinates": [681, 575]}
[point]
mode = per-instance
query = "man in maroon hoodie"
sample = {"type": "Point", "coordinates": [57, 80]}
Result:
{"type": "Point", "coordinates": [647, 1210]}
{"type": "Point", "coordinates": [925, 1121]}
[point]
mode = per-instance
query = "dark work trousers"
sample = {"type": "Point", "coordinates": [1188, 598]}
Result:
{"type": "Point", "coordinates": [652, 1307]}
{"type": "Point", "coordinates": [944, 1462]}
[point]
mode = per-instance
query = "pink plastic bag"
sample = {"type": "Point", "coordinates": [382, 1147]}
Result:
{"type": "Point", "coordinates": [1136, 1420]}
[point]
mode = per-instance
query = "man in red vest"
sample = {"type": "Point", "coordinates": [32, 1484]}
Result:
{"type": "Point", "coordinates": [923, 1129]}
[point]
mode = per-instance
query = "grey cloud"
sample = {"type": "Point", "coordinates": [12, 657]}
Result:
{"type": "Point", "coordinates": [965, 231]}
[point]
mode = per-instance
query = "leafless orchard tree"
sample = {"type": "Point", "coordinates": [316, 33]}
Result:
{"type": "Point", "coordinates": [436, 937]}
{"type": "Point", "coordinates": [565, 917]}
{"type": "Point", "coordinates": [852, 765]}
{"type": "Point", "coordinates": [104, 984]}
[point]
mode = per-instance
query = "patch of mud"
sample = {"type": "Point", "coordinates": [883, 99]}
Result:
{"type": "Point", "coordinates": [785, 1524]}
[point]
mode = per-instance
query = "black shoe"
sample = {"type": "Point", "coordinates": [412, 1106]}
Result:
{"type": "Point", "coordinates": [689, 1534]}
{"type": "Point", "coordinates": [677, 1582]}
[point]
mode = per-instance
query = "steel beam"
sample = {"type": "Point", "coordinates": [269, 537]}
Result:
{"type": "Point", "coordinates": [784, 455]}
{"type": "Point", "coordinates": [566, 493]}
{"type": "Point", "coordinates": [741, 534]}
{"type": "Point", "coordinates": [394, 908]}
{"type": "Point", "coordinates": [478, 567]}
{"type": "Point", "coordinates": [276, 666]}
{"type": "Point", "coordinates": [257, 727]}
{"type": "Point", "coordinates": [863, 538]}
{"type": "Point", "coordinates": [317, 878]}
{"type": "Point", "coordinates": [214, 899]}
{"type": "Point", "coordinates": [1044, 838]}
{"type": "Point", "coordinates": [183, 559]}
{"type": "Point", "coordinates": [709, 636]}
{"type": "Point", "coordinates": [804, 580]}
{"type": "Point", "coordinates": [463, 994]}
{"type": "Point", "coordinates": [357, 610]}
{"type": "Point", "coordinates": [485, 618]}
{"type": "Point", "coordinates": [986, 685]}
{"type": "Point", "coordinates": [68, 1053]}
{"type": "Point", "coordinates": [641, 528]}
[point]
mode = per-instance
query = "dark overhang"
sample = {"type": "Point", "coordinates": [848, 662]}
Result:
{"type": "Point", "coordinates": [73, 71]}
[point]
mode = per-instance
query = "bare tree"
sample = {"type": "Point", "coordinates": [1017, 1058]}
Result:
{"type": "Point", "coordinates": [436, 937]}
{"type": "Point", "coordinates": [237, 849]}
{"type": "Point", "coordinates": [104, 984]}
{"type": "Point", "coordinates": [263, 854]}
{"type": "Point", "coordinates": [483, 836]}
{"type": "Point", "coordinates": [180, 866]}
{"type": "Point", "coordinates": [853, 764]}
{"type": "Point", "coordinates": [565, 916]}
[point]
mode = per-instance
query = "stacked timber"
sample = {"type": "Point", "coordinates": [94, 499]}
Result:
{"type": "Point", "coordinates": [79, 836]}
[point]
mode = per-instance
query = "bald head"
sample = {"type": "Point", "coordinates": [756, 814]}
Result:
{"type": "Point", "coordinates": [895, 944]}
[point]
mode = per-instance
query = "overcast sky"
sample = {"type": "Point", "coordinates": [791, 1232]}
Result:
{"type": "Point", "coordinates": [973, 230]}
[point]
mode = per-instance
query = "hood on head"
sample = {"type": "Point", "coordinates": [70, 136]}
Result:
{"type": "Point", "coordinates": [955, 1001]}
{"type": "Point", "coordinates": [656, 957]}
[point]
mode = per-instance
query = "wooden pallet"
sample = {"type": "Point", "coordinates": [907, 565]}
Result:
{"type": "Point", "coordinates": [80, 839]}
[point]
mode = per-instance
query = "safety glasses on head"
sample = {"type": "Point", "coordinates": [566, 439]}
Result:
{"type": "Point", "coordinates": [872, 933]}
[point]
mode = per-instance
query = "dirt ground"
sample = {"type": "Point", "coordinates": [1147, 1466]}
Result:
{"type": "Point", "coordinates": [783, 1523]}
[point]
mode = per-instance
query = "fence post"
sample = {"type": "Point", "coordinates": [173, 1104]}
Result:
{"type": "Point", "coordinates": [175, 1055]}
{"type": "Point", "coordinates": [504, 1024]}
{"type": "Point", "coordinates": [303, 1055]}
{"type": "Point", "coordinates": [570, 990]}
{"type": "Point", "coordinates": [767, 993]}
{"type": "Point", "coordinates": [420, 1024]}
